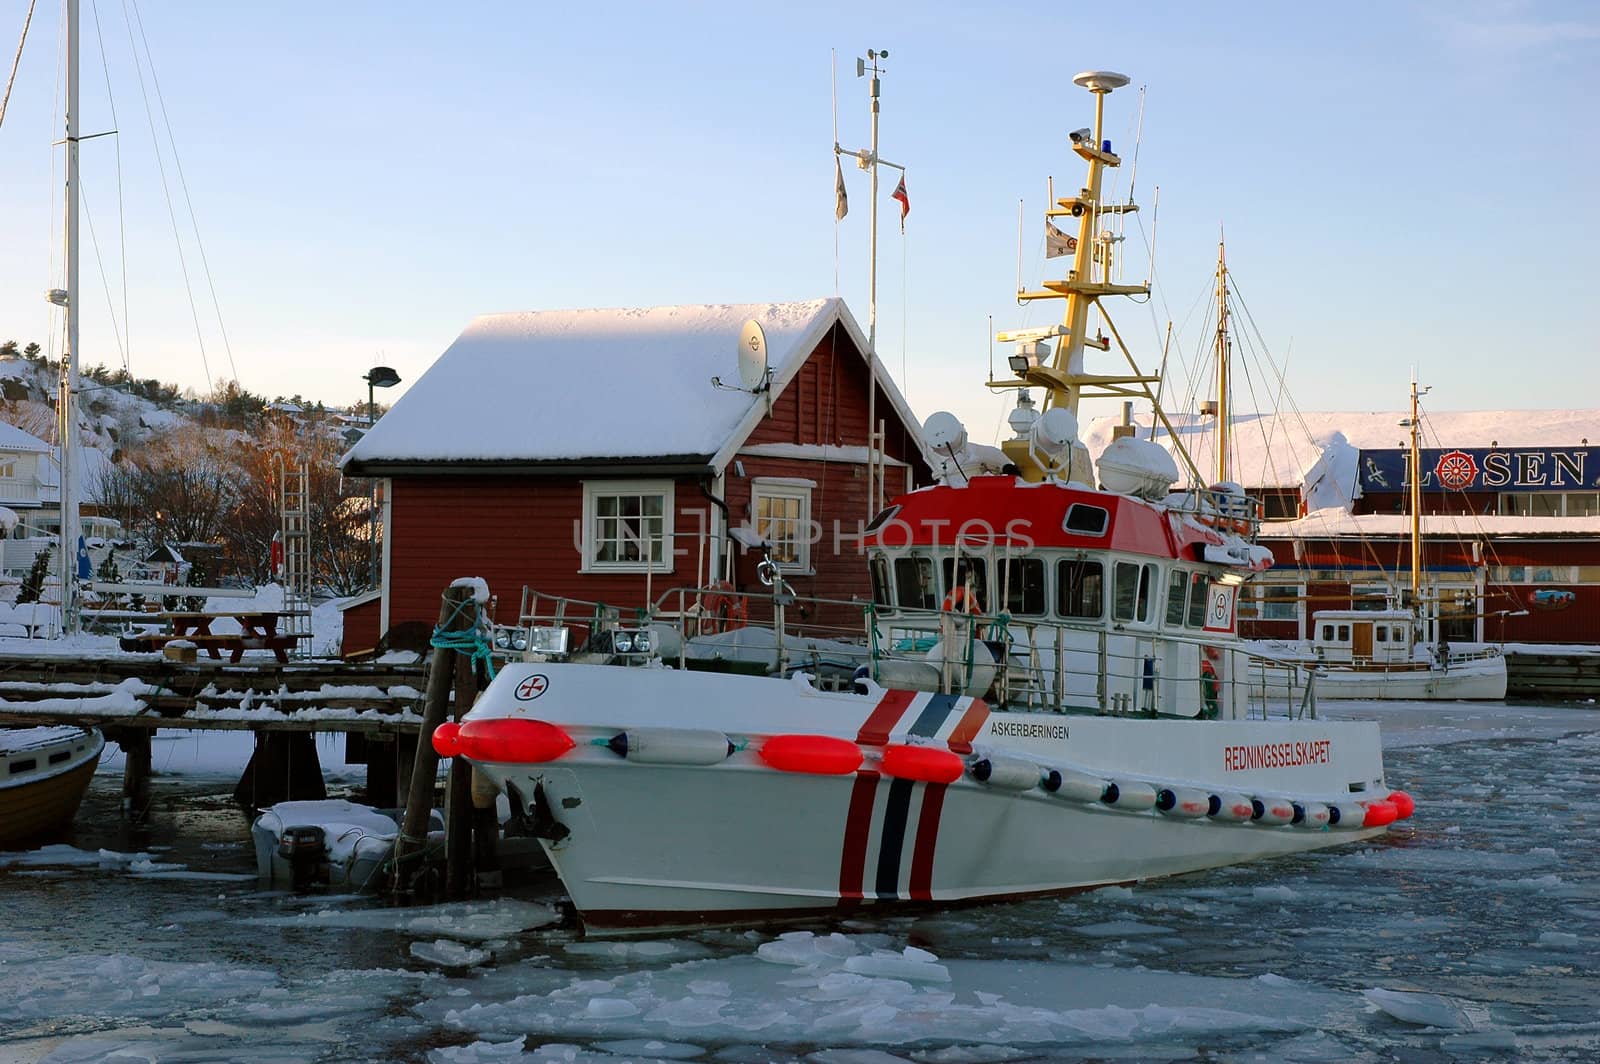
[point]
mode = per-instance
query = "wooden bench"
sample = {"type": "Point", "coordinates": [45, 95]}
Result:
{"type": "Point", "coordinates": [236, 644]}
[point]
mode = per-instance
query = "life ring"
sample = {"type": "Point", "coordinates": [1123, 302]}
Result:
{"type": "Point", "coordinates": [1210, 690]}
{"type": "Point", "coordinates": [722, 608]}
{"type": "Point", "coordinates": [960, 600]}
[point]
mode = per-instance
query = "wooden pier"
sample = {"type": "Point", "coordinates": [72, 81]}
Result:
{"type": "Point", "coordinates": [1553, 675]}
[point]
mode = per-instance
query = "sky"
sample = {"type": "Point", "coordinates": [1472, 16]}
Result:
{"type": "Point", "coordinates": [1401, 185]}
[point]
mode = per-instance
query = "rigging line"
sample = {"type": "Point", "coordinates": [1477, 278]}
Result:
{"type": "Point", "coordinates": [100, 262]}
{"type": "Point", "coordinates": [126, 342]}
{"type": "Point", "coordinates": [17, 62]}
{"type": "Point", "coordinates": [183, 183]}
{"type": "Point", "coordinates": [166, 190]}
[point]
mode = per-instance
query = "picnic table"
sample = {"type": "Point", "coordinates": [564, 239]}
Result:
{"type": "Point", "coordinates": [258, 630]}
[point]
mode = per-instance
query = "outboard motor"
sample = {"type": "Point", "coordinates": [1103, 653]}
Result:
{"type": "Point", "coordinates": [304, 848]}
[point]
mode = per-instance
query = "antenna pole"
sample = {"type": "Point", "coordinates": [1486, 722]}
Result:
{"type": "Point", "coordinates": [872, 308]}
{"type": "Point", "coordinates": [67, 436]}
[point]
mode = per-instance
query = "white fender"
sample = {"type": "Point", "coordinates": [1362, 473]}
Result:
{"type": "Point", "coordinates": [1183, 802]}
{"type": "Point", "coordinates": [1235, 808]}
{"type": "Point", "coordinates": [672, 746]}
{"type": "Point", "coordinates": [1078, 786]}
{"type": "Point", "coordinates": [1273, 811]}
{"type": "Point", "coordinates": [1346, 815]}
{"type": "Point", "coordinates": [1006, 773]}
{"type": "Point", "coordinates": [1311, 815]}
{"type": "Point", "coordinates": [1133, 795]}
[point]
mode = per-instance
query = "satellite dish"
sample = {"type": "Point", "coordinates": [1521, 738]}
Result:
{"type": "Point", "coordinates": [944, 432]}
{"type": "Point", "coordinates": [752, 356]}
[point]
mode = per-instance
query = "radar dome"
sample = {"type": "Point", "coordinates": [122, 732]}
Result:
{"type": "Point", "coordinates": [944, 432]}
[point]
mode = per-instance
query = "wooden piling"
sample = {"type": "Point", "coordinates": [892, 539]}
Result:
{"type": "Point", "coordinates": [458, 822]}
{"type": "Point", "coordinates": [458, 612]}
{"type": "Point", "coordinates": [135, 743]}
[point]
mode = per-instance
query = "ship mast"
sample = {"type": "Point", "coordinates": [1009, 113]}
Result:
{"type": "Point", "coordinates": [1223, 354]}
{"type": "Point", "coordinates": [1062, 374]}
{"type": "Point", "coordinates": [1416, 503]}
{"type": "Point", "coordinates": [67, 405]}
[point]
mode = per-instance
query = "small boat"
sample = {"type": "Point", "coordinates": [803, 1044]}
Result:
{"type": "Point", "coordinates": [1375, 654]}
{"type": "Point", "coordinates": [44, 773]}
{"type": "Point", "coordinates": [1052, 695]}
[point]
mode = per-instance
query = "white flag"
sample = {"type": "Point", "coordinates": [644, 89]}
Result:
{"type": "Point", "coordinates": [841, 203]}
{"type": "Point", "coordinates": [1057, 243]}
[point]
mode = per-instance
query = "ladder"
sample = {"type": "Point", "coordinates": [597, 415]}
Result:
{"type": "Point", "coordinates": [294, 509]}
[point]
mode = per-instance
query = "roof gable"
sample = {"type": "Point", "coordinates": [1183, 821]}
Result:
{"type": "Point", "coordinates": [606, 384]}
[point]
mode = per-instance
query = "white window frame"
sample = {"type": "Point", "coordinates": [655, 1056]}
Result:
{"type": "Point", "coordinates": [593, 491]}
{"type": "Point", "coordinates": [797, 488]}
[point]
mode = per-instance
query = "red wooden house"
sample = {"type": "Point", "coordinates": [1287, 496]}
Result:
{"type": "Point", "coordinates": [588, 454]}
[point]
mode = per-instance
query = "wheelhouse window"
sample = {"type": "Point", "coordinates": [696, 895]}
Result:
{"type": "Point", "coordinates": [1023, 581]}
{"type": "Point", "coordinates": [782, 512]}
{"type": "Point", "coordinates": [1080, 589]}
{"type": "Point", "coordinates": [1086, 520]}
{"type": "Point", "coordinates": [1199, 589]}
{"type": "Point", "coordinates": [1131, 592]}
{"type": "Point", "coordinates": [878, 567]}
{"type": "Point", "coordinates": [1177, 594]}
{"type": "Point", "coordinates": [913, 583]}
{"type": "Point", "coordinates": [968, 572]}
{"type": "Point", "coordinates": [627, 526]}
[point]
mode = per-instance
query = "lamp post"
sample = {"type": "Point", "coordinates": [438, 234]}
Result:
{"type": "Point", "coordinates": [376, 377]}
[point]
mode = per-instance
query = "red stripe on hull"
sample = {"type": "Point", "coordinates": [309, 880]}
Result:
{"type": "Point", "coordinates": [927, 840]}
{"type": "Point", "coordinates": [971, 721]}
{"type": "Point", "coordinates": [857, 829]}
{"type": "Point", "coordinates": [875, 732]}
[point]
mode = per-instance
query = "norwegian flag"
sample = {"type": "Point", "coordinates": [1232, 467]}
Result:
{"type": "Point", "coordinates": [899, 193]}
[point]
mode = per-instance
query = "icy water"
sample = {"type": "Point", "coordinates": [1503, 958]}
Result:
{"type": "Point", "coordinates": [1469, 934]}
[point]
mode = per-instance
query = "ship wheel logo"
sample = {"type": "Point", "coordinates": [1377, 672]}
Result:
{"type": "Point", "coordinates": [1455, 469]}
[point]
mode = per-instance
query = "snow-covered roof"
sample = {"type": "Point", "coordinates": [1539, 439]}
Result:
{"type": "Point", "coordinates": [574, 385]}
{"type": "Point", "coordinates": [1279, 450]}
{"type": "Point", "coordinates": [1338, 522]}
{"type": "Point", "coordinates": [14, 439]}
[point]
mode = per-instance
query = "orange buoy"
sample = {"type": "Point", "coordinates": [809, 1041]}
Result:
{"type": "Point", "coordinates": [925, 763]}
{"type": "Point", "coordinates": [512, 739]}
{"type": "Point", "coordinates": [1379, 814]}
{"type": "Point", "coordinates": [445, 739]}
{"type": "Point", "coordinates": [823, 755]}
{"type": "Point", "coordinates": [1403, 803]}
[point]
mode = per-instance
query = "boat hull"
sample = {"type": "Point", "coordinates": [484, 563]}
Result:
{"type": "Point", "coordinates": [649, 845]}
{"type": "Point", "coordinates": [1484, 679]}
{"type": "Point", "coordinates": [39, 804]}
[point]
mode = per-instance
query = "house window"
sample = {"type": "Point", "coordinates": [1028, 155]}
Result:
{"type": "Point", "coordinates": [782, 511]}
{"type": "Point", "coordinates": [627, 526]}
{"type": "Point", "coordinates": [8, 468]}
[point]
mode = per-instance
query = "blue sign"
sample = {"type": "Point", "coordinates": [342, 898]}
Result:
{"type": "Point", "coordinates": [1510, 469]}
{"type": "Point", "coordinates": [85, 569]}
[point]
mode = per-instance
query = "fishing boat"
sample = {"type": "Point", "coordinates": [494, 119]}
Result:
{"type": "Point", "coordinates": [44, 773]}
{"type": "Point", "coordinates": [1052, 695]}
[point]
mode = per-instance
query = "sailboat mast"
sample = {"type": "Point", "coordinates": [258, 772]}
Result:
{"type": "Point", "coordinates": [1416, 504]}
{"type": "Point", "coordinates": [67, 435]}
{"type": "Point", "coordinates": [1222, 365]}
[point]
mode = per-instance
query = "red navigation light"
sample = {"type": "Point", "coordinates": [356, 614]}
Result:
{"type": "Point", "coordinates": [824, 755]}
{"type": "Point", "coordinates": [1403, 803]}
{"type": "Point", "coordinates": [512, 739]}
{"type": "Point", "coordinates": [924, 763]}
{"type": "Point", "coordinates": [1379, 814]}
{"type": "Point", "coordinates": [446, 739]}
